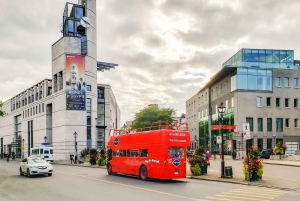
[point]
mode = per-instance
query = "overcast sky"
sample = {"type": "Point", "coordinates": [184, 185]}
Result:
{"type": "Point", "coordinates": [166, 49]}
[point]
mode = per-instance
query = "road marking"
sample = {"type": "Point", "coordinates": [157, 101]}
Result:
{"type": "Point", "coordinates": [228, 196]}
{"type": "Point", "coordinates": [130, 186]}
{"type": "Point", "coordinates": [261, 190]}
{"type": "Point", "coordinates": [250, 193]}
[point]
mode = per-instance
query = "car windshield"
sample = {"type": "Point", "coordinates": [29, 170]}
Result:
{"type": "Point", "coordinates": [36, 160]}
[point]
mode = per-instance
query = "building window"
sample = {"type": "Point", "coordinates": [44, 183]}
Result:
{"type": "Point", "coordinates": [287, 102]}
{"type": "Point", "coordinates": [269, 124]}
{"type": "Point", "coordinates": [42, 107]}
{"type": "Point", "coordinates": [39, 108]}
{"type": "Point", "coordinates": [277, 102]}
{"type": "Point", "coordinates": [36, 109]}
{"type": "Point", "coordinates": [296, 83]}
{"type": "Point", "coordinates": [286, 82]}
{"type": "Point", "coordinates": [260, 144]}
{"type": "Point", "coordinates": [250, 121]}
{"type": "Point", "coordinates": [88, 111]}
{"type": "Point", "coordinates": [259, 101]}
{"type": "Point", "coordinates": [221, 88]}
{"type": "Point", "coordinates": [279, 125]}
{"type": "Point", "coordinates": [205, 96]}
{"type": "Point", "coordinates": [33, 111]}
{"type": "Point", "coordinates": [232, 102]}
{"type": "Point", "coordinates": [287, 123]}
{"type": "Point", "coordinates": [88, 88]}
{"type": "Point", "coordinates": [277, 82]}
{"type": "Point", "coordinates": [269, 144]}
{"type": "Point", "coordinates": [296, 123]}
{"type": "Point", "coordinates": [296, 102]}
{"type": "Point", "coordinates": [269, 102]}
{"type": "Point", "coordinates": [259, 124]}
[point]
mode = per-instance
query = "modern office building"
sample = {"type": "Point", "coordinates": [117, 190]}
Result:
{"type": "Point", "coordinates": [71, 106]}
{"type": "Point", "coordinates": [257, 86]}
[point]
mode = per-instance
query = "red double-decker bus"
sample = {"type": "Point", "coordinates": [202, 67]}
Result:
{"type": "Point", "coordinates": [158, 151]}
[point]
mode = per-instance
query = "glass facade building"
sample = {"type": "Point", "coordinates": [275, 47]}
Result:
{"type": "Point", "coordinates": [262, 58]}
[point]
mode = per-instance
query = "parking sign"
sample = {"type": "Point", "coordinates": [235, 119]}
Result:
{"type": "Point", "coordinates": [219, 140]}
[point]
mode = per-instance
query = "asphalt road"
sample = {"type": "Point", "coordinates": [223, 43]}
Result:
{"type": "Point", "coordinates": [70, 183]}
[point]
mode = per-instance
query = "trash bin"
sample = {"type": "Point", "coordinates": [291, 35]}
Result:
{"type": "Point", "coordinates": [228, 171]}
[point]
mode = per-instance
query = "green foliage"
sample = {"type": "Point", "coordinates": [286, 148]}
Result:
{"type": "Point", "coordinates": [101, 161]}
{"type": "Point", "coordinates": [197, 159]}
{"type": "Point", "coordinates": [196, 170]}
{"type": "Point", "coordinates": [200, 151]}
{"type": "Point", "coordinates": [1, 111]}
{"type": "Point", "coordinates": [94, 155]}
{"type": "Point", "coordinates": [85, 152]}
{"type": "Point", "coordinates": [280, 148]}
{"type": "Point", "coordinates": [260, 172]}
{"type": "Point", "coordinates": [147, 116]}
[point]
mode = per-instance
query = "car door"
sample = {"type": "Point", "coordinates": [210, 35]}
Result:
{"type": "Point", "coordinates": [24, 165]}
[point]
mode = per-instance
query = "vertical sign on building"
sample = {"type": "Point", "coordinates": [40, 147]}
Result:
{"type": "Point", "coordinates": [75, 82]}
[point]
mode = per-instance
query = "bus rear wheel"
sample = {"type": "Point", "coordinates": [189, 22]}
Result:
{"type": "Point", "coordinates": [109, 169]}
{"type": "Point", "coordinates": [143, 173]}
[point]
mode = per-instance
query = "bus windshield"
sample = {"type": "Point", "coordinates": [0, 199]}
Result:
{"type": "Point", "coordinates": [176, 152]}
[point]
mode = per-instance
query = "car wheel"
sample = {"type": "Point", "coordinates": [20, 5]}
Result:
{"type": "Point", "coordinates": [143, 173]}
{"type": "Point", "coordinates": [109, 169]}
{"type": "Point", "coordinates": [28, 173]}
{"type": "Point", "coordinates": [21, 173]}
{"type": "Point", "coordinates": [50, 174]}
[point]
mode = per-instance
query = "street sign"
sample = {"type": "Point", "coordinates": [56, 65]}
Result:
{"type": "Point", "coordinates": [216, 127]}
{"type": "Point", "coordinates": [219, 140]}
{"type": "Point", "coordinates": [23, 148]}
{"type": "Point", "coordinates": [229, 127]}
{"type": "Point", "coordinates": [45, 143]}
{"type": "Point", "coordinates": [246, 131]}
{"type": "Point", "coordinates": [14, 144]}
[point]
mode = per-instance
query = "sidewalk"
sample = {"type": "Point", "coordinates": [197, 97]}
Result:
{"type": "Point", "coordinates": [85, 164]}
{"type": "Point", "coordinates": [239, 178]}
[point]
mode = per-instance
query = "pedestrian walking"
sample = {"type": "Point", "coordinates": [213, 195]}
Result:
{"type": "Point", "coordinates": [208, 157]}
{"type": "Point", "coordinates": [232, 154]}
{"type": "Point", "coordinates": [72, 158]}
{"type": "Point", "coordinates": [214, 154]}
{"type": "Point", "coordinates": [7, 157]}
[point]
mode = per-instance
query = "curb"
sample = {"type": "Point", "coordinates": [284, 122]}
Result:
{"type": "Point", "coordinates": [248, 184]}
{"type": "Point", "coordinates": [74, 165]}
{"type": "Point", "coordinates": [281, 164]}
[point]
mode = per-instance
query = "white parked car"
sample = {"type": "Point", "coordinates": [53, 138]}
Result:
{"type": "Point", "coordinates": [35, 165]}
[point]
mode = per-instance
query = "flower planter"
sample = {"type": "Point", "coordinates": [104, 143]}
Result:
{"type": "Point", "coordinates": [203, 169]}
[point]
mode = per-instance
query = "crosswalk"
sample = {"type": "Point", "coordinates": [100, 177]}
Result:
{"type": "Point", "coordinates": [246, 194]}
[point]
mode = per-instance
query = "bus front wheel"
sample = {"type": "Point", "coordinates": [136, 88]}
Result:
{"type": "Point", "coordinates": [143, 173]}
{"type": "Point", "coordinates": [109, 169]}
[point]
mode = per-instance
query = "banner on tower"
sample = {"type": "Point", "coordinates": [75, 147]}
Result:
{"type": "Point", "coordinates": [75, 82]}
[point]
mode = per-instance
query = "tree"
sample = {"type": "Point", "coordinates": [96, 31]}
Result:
{"type": "Point", "coordinates": [1, 112]}
{"type": "Point", "coordinates": [147, 116]}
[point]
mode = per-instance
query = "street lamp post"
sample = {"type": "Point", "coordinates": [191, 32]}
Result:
{"type": "Point", "coordinates": [23, 148]}
{"type": "Point", "coordinates": [274, 140]}
{"type": "Point", "coordinates": [45, 138]}
{"type": "Point", "coordinates": [75, 136]}
{"type": "Point", "coordinates": [221, 110]}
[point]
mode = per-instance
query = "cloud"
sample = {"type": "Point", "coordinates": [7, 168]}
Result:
{"type": "Point", "coordinates": [166, 49]}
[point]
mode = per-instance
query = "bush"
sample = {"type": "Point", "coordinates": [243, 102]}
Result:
{"type": "Point", "coordinates": [196, 170]}
{"type": "Point", "coordinates": [279, 149]}
{"type": "Point", "coordinates": [85, 152]}
{"type": "Point", "coordinates": [253, 166]}
{"type": "Point", "coordinates": [94, 155]}
{"type": "Point", "coordinates": [101, 161]}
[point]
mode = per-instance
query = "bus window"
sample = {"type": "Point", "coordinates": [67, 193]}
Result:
{"type": "Point", "coordinates": [128, 153]}
{"type": "Point", "coordinates": [41, 151]}
{"type": "Point", "coordinates": [176, 152]}
{"type": "Point", "coordinates": [144, 153]}
{"type": "Point", "coordinates": [116, 152]}
{"type": "Point", "coordinates": [134, 153]}
{"type": "Point", "coordinates": [51, 151]}
{"type": "Point", "coordinates": [46, 152]}
{"type": "Point", "coordinates": [123, 153]}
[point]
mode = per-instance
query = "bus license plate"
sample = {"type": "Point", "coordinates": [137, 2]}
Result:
{"type": "Point", "coordinates": [176, 173]}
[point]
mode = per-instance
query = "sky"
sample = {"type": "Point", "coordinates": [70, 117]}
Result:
{"type": "Point", "coordinates": [166, 49]}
